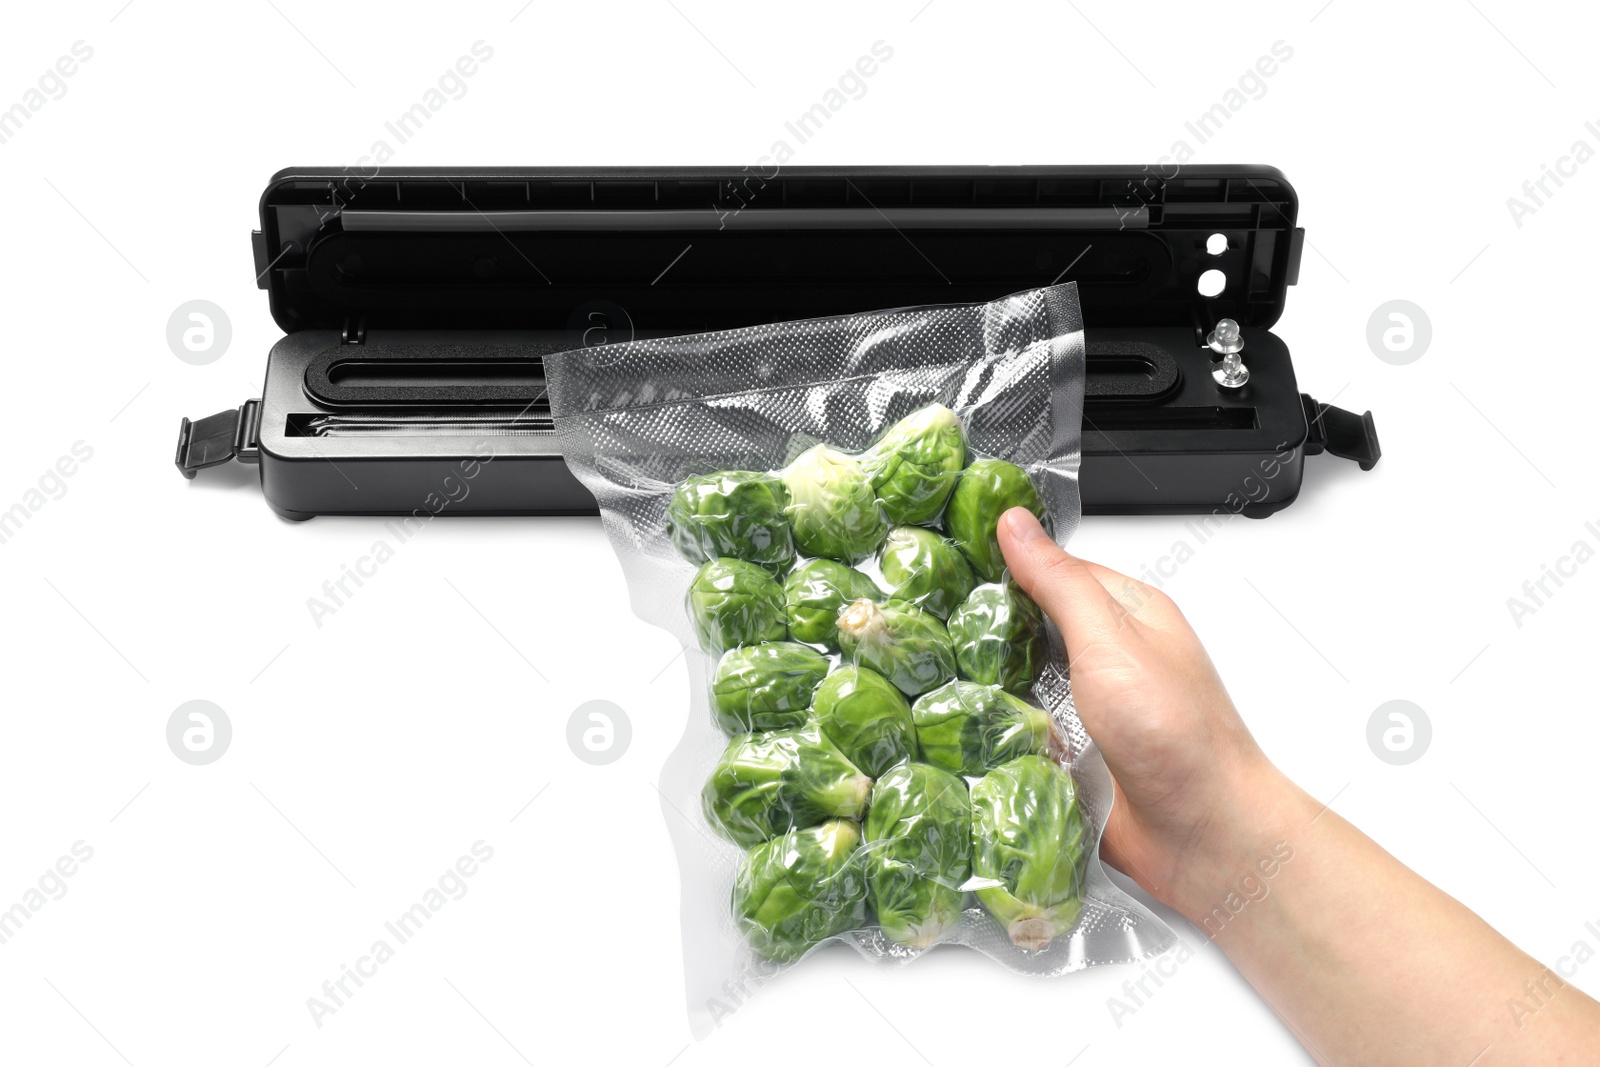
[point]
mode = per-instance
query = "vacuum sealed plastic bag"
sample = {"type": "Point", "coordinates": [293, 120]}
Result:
{"type": "Point", "coordinates": [882, 748]}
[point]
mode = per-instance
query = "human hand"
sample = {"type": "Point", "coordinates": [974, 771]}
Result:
{"type": "Point", "coordinates": [1338, 944]}
{"type": "Point", "coordinates": [1193, 790]}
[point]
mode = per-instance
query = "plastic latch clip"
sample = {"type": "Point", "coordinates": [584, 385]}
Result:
{"type": "Point", "coordinates": [1342, 433]}
{"type": "Point", "coordinates": [231, 434]}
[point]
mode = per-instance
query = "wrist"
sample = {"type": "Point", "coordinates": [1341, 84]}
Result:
{"type": "Point", "coordinates": [1253, 831]}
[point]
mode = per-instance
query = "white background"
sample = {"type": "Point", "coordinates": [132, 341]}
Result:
{"type": "Point", "coordinates": [370, 753]}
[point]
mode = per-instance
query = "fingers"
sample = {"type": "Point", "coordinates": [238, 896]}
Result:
{"type": "Point", "coordinates": [1062, 584]}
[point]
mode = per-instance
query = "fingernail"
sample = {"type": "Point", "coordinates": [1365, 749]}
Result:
{"type": "Point", "coordinates": [1023, 526]}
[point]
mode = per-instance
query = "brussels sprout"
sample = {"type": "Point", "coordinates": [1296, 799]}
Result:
{"type": "Point", "coordinates": [919, 852]}
{"type": "Point", "coordinates": [1028, 835]}
{"type": "Point", "coordinates": [815, 594]}
{"type": "Point", "coordinates": [765, 784]}
{"type": "Point", "coordinates": [732, 513]}
{"type": "Point", "coordinates": [866, 717]}
{"type": "Point", "coordinates": [999, 637]}
{"type": "Point", "coordinates": [765, 687]}
{"type": "Point", "coordinates": [914, 466]}
{"type": "Point", "coordinates": [733, 603]}
{"type": "Point", "coordinates": [985, 491]}
{"type": "Point", "coordinates": [922, 568]}
{"type": "Point", "coordinates": [900, 641]}
{"type": "Point", "coordinates": [968, 728]}
{"type": "Point", "coordinates": [831, 506]}
{"type": "Point", "coordinates": [798, 890]}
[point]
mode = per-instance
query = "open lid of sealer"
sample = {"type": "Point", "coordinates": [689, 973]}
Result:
{"type": "Point", "coordinates": [688, 249]}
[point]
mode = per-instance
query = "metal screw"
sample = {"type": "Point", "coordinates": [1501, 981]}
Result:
{"type": "Point", "coordinates": [1227, 342]}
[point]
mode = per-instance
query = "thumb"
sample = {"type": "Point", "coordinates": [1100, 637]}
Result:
{"type": "Point", "coordinates": [1060, 583]}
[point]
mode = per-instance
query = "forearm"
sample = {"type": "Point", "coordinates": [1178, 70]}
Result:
{"type": "Point", "coordinates": [1365, 961]}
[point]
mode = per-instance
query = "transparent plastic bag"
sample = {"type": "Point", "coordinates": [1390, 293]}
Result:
{"type": "Point", "coordinates": [707, 446]}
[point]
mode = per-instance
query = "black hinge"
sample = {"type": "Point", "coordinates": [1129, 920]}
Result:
{"type": "Point", "coordinates": [231, 434]}
{"type": "Point", "coordinates": [1343, 433]}
{"type": "Point", "coordinates": [1297, 245]}
{"type": "Point", "coordinates": [354, 332]}
{"type": "Point", "coordinates": [258, 249]}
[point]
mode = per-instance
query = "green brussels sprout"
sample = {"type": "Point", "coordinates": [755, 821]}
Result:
{"type": "Point", "coordinates": [919, 852]}
{"type": "Point", "coordinates": [765, 687]}
{"type": "Point", "coordinates": [734, 603]}
{"type": "Point", "coordinates": [816, 592]}
{"type": "Point", "coordinates": [968, 728]}
{"type": "Point", "coordinates": [985, 491]}
{"type": "Point", "coordinates": [922, 568]}
{"type": "Point", "coordinates": [914, 466]}
{"type": "Point", "coordinates": [999, 636]}
{"type": "Point", "coordinates": [765, 784]}
{"type": "Point", "coordinates": [1029, 836]}
{"type": "Point", "coordinates": [798, 890]}
{"type": "Point", "coordinates": [867, 717]}
{"type": "Point", "coordinates": [900, 641]}
{"type": "Point", "coordinates": [831, 506]}
{"type": "Point", "coordinates": [732, 513]}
